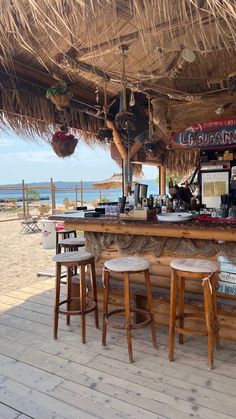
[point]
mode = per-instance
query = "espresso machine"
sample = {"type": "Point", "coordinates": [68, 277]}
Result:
{"type": "Point", "coordinates": [140, 194]}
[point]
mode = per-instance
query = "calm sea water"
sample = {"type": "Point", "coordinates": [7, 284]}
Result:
{"type": "Point", "coordinates": [88, 196]}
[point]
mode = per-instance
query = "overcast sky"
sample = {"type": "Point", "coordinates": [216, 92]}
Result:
{"type": "Point", "coordinates": [34, 162]}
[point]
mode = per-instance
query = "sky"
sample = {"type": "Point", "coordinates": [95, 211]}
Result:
{"type": "Point", "coordinates": [36, 162]}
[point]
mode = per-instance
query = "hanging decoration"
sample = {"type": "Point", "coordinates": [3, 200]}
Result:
{"type": "Point", "coordinates": [105, 134]}
{"type": "Point", "coordinates": [124, 120]}
{"type": "Point", "coordinates": [59, 95]}
{"type": "Point", "coordinates": [63, 143]}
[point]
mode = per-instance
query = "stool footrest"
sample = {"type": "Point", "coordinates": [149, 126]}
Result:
{"type": "Point", "coordinates": [77, 312]}
{"type": "Point", "coordinates": [195, 315]}
{"type": "Point", "coordinates": [139, 325]}
{"type": "Point", "coordinates": [190, 332]}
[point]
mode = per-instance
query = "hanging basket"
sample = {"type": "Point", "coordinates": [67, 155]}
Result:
{"type": "Point", "coordinates": [64, 148]}
{"type": "Point", "coordinates": [61, 101]}
{"type": "Point", "coordinates": [125, 121]}
{"type": "Point", "coordinates": [105, 135]}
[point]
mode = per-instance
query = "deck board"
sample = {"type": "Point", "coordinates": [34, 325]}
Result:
{"type": "Point", "coordinates": [42, 378]}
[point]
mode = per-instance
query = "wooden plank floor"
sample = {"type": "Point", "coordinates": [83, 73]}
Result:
{"type": "Point", "coordinates": [43, 378]}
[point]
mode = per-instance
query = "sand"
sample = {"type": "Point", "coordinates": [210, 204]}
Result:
{"type": "Point", "coordinates": [21, 257]}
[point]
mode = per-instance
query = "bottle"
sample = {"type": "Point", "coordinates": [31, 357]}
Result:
{"type": "Point", "coordinates": [163, 207]}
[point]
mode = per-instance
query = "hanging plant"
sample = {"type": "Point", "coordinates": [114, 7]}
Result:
{"type": "Point", "coordinates": [59, 95]}
{"type": "Point", "coordinates": [63, 143]}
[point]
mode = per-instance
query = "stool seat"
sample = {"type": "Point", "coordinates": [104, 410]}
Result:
{"type": "Point", "coordinates": [195, 265]}
{"type": "Point", "coordinates": [77, 241]}
{"type": "Point", "coordinates": [73, 257]}
{"type": "Point", "coordinates": [127, 264]}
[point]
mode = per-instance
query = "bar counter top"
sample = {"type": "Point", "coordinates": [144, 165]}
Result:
{"type": "Point", "coordinates": [193, 229]}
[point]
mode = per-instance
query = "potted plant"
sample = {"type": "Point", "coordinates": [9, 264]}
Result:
{"type": "Point", "coordinates": [63, 143]}
{"type": "Point", "coordinates": [59, 95]}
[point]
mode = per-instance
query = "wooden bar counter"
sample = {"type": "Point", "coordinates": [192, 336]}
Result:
{"type": "Point", "coordinates": [214, 238]}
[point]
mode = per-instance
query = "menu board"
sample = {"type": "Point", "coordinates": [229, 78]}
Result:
{"type": "Point", "coordinates": [214, 184]}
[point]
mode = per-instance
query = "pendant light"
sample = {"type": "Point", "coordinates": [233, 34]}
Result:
{"type": "Point", "coordinates": [124, 120]}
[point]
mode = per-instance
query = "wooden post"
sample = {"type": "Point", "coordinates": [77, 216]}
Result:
{"type": "Point", "coordinates": [76, 196]}
{"type": "Point", "coordinates": [81, 193]}
{"type": "Point", "coordinates": [23, 195]}
{"type": "Point", "coordinates": [162, 180]}
{"type": "Point", "coordinates": [27, 201]}
{"type": "Point", "coordinates": [53, 194]}
{"type": "Point", "coordinates": [100, 195]}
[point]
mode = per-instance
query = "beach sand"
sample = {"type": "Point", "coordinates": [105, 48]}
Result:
{"type": "Point", "coordinates": [21, 256]}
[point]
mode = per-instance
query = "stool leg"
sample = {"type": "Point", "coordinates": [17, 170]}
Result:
{"type": "Point", "coordinates": [173, 292]}
{"type": "Point", "coordinates": [214, 302]}
{"type": "Point", "coordinates": [181, 308]}
{"type": "Point", "coordinates": [83, 302]}
{"type": "Point", "coordinates": [105, 306]}
{"type": "Point", "coordinates": [57, 299]}
{"type": "Point", "coordinates": [127, 315]}
{"type": "Point", "coordinates": [69, 275]}
{"type": "Point", "coordinates": [94, 291]}
{"type": "Point", "coordinates": [209, 314]}
{"type": "Point", "coordinates": [150, 306]}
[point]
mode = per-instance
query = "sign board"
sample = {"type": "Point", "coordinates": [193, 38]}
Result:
{"type": "Point", "coordinates": [213, 185]}
{"type": "Point", "coordinates": [220, 133]}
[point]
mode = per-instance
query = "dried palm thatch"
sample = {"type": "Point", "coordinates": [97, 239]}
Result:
{"type": "Point", "coordinates": [180, 162]}
{"type": "Point", "coordinates": [35, 118]}
{"type": "Point", "coordinates": [77, 42]}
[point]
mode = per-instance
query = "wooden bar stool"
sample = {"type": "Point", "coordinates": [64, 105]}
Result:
{"type": "Point", "coordinates": [194, 269]}
{"type": "Point", "coordinates": [62, 235]}
{"type": "Point", "coordinates": [71, 244]}
{"type": "Point", "coordinates": [73, 260]}
{"type": "Point", "coordinates": [127, 266]}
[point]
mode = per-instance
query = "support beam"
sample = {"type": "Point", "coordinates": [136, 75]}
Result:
{"type": "Point", "coordinates": [117, 140]}
{"type": "Point", "coordinates": [162, 180]}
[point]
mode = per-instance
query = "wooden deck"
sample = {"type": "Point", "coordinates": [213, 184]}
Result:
{"type": "Point", "coordinates": [43, 378]}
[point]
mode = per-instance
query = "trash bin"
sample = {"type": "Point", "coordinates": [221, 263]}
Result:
{"type": "Point", "coordinates": [49, 234]}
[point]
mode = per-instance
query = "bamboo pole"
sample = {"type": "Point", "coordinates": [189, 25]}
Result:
{"type": "Point", "coordinates": [53, 194]}
{"type": "Point", "coordinates": [23, 195]}
{"type": "Point", "coordinates": [81, 193]}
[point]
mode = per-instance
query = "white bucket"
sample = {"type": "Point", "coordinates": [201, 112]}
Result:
{"type": "Point", "coordinates": [49, 234]}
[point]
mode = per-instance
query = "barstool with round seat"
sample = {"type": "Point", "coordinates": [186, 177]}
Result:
{"type": "Point", "coordinates": [73, 260]}
{"type": "Point", "coordinates": [195, 270]}
{"type": "Point", "coordinates": [71, 244]}
{"type": "Point", "coordinates": [127, 266]}
{"type": "Point", "coordinates": [62, 235]}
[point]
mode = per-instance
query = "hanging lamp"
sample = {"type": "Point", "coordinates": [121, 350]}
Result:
{"type": "Point", "coordinates": [124, 120]}
{"type": "Point", "coordinates": [105, 134]}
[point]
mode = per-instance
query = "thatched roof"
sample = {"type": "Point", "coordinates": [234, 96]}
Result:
{"type": "Point", "coordinates": [77, 42]}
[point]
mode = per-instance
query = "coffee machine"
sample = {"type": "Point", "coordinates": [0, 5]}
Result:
{"type": "Point", "coordinates": [140, 194]}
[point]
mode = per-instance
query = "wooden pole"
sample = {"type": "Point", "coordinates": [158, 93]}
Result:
{"type": "Point", "coordinates": [76, 196]}
{"type": "Point", "coordinates": [27, 201]}
{"type": "Point", "coordinates": [53, 194]}
{"type": "Point", "coordinates": [23, 195]}
{"type": "Point", "coordinates": [100, 195]}
{"type": "Point", "coordinates": [162, 180]}
{"type": "Point", "coordinates": [117, 141]}
{"type": "Point", "coordinates": [81, 193]}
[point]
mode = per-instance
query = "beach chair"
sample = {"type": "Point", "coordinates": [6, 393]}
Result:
{"type": "Point", "coordinates": [29, 223]}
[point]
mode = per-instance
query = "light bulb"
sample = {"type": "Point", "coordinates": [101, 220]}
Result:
{"type": "Point", "coordinates": [132, 99]}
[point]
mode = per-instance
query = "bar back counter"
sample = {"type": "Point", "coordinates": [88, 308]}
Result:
{"type": "Point", "coordinates": [161, 242]}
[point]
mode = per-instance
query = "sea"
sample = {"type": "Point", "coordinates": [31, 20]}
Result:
{"type": "Point", "coordinates": [90, 196]}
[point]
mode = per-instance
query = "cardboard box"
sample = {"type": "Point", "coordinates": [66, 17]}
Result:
{"type": "Point", "coordinates": [144, 214]}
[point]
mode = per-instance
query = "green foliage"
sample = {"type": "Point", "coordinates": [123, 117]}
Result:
{"type": "Point", "coordinates": [58, 90]}
{"type": "Point", "coordinates": [32, 193]}
{"type": "Point", "coordinates": [175, 179]}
